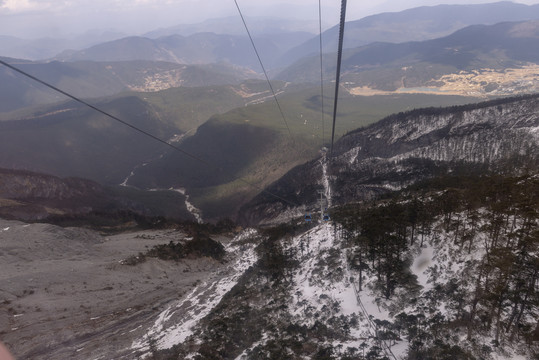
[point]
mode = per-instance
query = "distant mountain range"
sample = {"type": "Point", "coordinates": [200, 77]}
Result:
{"type": "Point", "coordinates": [386, 66]}
{"type": "Point", "coordinates": [280, 44]}
{"type": "Point", "coordinates": [46, 48]}
{"type": "Point", "coordinates": [417, 24]}
{"type": "Point", "coordinates": [283, 33]}
{"type": "Point", "coordinates": [88, 79]}
{"type": "Point", "coordinates": [199, 48]}
{"type": "Point", "coordinates": [477, 46]}
{"type": "Point", "coordinates": [258, 26]}
{"type": "Point", "coordinates": [378, 66]}
{"type": "Point", "coordinates": [281, 41]}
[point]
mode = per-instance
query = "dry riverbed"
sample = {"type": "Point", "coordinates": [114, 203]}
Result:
{"type": "Point", "coordinates": [64, 293]}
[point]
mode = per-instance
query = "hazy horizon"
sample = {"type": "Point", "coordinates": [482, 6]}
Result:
{"type": "Point", "coordinates": [33, 19]}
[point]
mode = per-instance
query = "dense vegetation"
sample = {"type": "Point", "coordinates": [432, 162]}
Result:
{"type": "Point", "coordinates": [252, 141]}
{"type": "Point", "coordinates": [492, 219]}
{"type": "Point", "coordinates": [480, 298]}
{"type": "Point", "coordinates": [199, 246]}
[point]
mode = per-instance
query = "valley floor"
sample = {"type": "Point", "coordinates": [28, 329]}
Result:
{"type": "Point", "coordinates": [480, 83]}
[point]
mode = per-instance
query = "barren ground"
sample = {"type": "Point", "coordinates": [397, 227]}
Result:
{"type": "Point", "coordinates": [65, 295]}
{"type": "Point", "coordinates": [479, 83]}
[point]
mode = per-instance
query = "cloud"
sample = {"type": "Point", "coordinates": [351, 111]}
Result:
{"type": "Point", "coordinates": [37, 18]}
{"type": "Point", "coordinates": [20, 6]}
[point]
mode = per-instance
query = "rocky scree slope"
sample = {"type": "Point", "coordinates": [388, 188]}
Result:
{"type": "Point", "coordinates": [499, 135]}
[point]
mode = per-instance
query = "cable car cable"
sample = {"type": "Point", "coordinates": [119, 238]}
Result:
{"type": "Point", "coordinates": [321, 70]}
{"type": "Point", "coordinates": [263, 68]}
{"type": "Point", "coordinates": [102, 111]}
{"type": "Point", "coordinates": [338, 74]}
{"type": "Point", "coordinates": [209, 164]}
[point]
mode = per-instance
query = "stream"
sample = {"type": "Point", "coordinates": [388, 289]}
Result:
{"type": "Point", "coordinates": [177, 139]}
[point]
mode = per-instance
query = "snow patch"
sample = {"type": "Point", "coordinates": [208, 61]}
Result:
{"type": "Point", "coordinates": [323, 287]}
{"type": "Point", "coordinates": [197, 213]}
{"type": "Point", "coordinates": [177, 321]}
{"type": "Point", "coordinates": [421, 264]}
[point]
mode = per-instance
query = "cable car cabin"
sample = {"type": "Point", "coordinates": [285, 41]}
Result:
{"type": "Point", "coordinates": [325, 215]}
{"type": "Point", "coordinates": [308, 218]}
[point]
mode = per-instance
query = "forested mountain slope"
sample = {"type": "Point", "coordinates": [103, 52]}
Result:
{"type": "Point", "coordinates": [404, 148]}
{"type": "Point", "coordinates": [446, 269]}
{"type": "Point", "coordinates": [30, 196]}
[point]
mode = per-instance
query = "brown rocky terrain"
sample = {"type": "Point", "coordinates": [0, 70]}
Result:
{"type": "Point", "coordinates": [66, 293]}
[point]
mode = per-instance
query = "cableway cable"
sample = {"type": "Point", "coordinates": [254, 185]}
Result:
{"type": "Point", "coordinates": [338, 74]}
{"type": "Point", "coordinates": [321, 70]}
{"type": "Point", "coordinates": [102, 112]}
{"type": "Point", "coordinates": [115, 118]}
{"type": "Point", "coordinates": [263, 68]}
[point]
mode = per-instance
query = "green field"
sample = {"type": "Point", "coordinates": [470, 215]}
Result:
{"type": "Point", "coordinates": [303, 112]}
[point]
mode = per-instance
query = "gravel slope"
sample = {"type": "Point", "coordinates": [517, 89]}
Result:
{"type": "Point", "coordinates": [65, 295]}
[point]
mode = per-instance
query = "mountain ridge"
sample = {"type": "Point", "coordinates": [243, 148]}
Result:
{"type": "Point", "coordinates": [198, 48]}
{"type": "Point", "coordinates": [417, 24]}
{"type": "Point", "coordinates": [31, 196]}
{"type": "Point", "coordinates": [260, 26]}
{"type": "Point", "coordinates": [442, 66]}
{"type": "Point", "coordinates": [90, 79]}
{"type": "Point", "coordinates": [406, 147]}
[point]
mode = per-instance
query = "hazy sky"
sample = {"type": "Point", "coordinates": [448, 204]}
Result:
{"type": "Point", "coordinates": [65, 18]}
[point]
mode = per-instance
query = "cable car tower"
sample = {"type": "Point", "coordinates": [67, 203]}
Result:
{"type": "Point", "coordinates": [324, 216]}
{"type": "Point", "coordinates": [324, 203]}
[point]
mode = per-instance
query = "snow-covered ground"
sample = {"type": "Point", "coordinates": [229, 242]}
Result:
{"type": "Point", "coordinates": [176, 322]}
{"type": "Point", "coordinates": [323, 287]}
{"type": "Point", "coordinates": [321, 291]}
